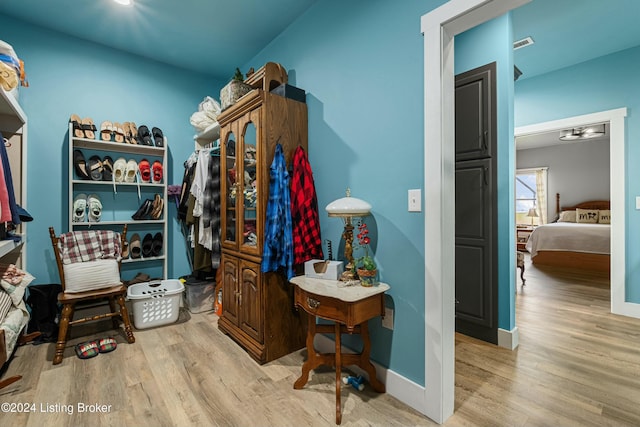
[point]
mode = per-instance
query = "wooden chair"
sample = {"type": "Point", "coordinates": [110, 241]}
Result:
{"type": "Point", "coordinates": [69, 300]}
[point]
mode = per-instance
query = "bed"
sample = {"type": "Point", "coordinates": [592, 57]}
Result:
{"type": "Point", "coordinates": [580, 238]}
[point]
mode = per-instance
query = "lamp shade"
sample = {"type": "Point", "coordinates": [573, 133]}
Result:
{"type": "Point", "coordinates": [348, 206]}
{"type": "Point", "coordinates": [532, 213]}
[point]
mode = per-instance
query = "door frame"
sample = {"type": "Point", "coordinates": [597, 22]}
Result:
{"type": "Point", "coordinates": [617, 173]}
{"type": "Point", "coordinates": [439, 27]}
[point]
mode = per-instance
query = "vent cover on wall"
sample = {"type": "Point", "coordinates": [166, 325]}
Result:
{"type": "Point", "coordinates": [527, 41]}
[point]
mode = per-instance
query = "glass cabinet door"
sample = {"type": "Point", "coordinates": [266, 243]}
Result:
{"type": "Point", "coordinates": [232, 186]}
{"type": "Point", "coordinates": [251, 198]}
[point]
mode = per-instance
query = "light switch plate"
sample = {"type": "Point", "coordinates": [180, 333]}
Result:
{"type": "Point", "coordinates": [638, 202]}
{"type": "Point", "coordinates": [387, 320]}
{"type": "Point", "coordinates": [415, 200]}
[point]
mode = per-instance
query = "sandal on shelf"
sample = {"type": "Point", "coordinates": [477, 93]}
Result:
{"type": "Point", "coordinates": [80, 164]}
{"type": "Point", "coordinates": [156, 244]}
{"type": "Point", "coordinates": [95, 168]}
{"type": "Point", "coordinates": [106, 345]}
{"type": "Point", "coordinates": [131, 171]}
{"type": "Point", "coordinates": [156, 170]}
{"type": "Point", "coordinates": [125, 131]}
{"type": "Point", "coordinates": [95, 208]}
{"type": "Point", "coordinates": [134, 246]}
{"type": "Point", "coordinates": [144, 136]}
{"type": "Point", "coordinates": [145, 170]}
{"type": "Point", "coordinates": [119, 168]}
{"type": "Point", "coordinates": [107, 168]}
{"type": "Point", "coordinates": [77, 126]}
{"type": "Point", "coordinates": [87, 350]}
{"type": "Point", "coordinates": [89, 128]}
{"type": "Point", "coordinates": [106, 130]}
{"type": "Point", "coordinates": [133, 133]}
{"type": "Point", "coordinates": [158, 136]}
{"type": "Point", "coordinates": [146, 245]}
{"type": "Point", "coordinates": [158, 205]}
{"type": "Point", "coordinates": [118, 132]}
{"type": "Point", "coordinates": [79, 208]}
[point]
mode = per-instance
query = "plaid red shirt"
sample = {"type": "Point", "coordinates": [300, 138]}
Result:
{"type": "Point", "coordinates": [89, 245]}
{"type": "Point", "coordinates": [307, 243]}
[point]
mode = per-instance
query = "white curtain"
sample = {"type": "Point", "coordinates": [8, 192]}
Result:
{"type": "Point", "coordinates": [541, 194]}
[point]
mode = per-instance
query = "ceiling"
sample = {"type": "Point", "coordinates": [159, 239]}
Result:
{"type": "Point", "coordinates": [208, 36]}
{"type": "Point", "coordinates": [216, 36]}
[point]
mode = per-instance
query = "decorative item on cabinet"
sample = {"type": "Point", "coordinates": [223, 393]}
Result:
{"type": "Point", "coordinates": [234, 90]}
{"type": "Point", "coordinates": [124, 198]}
{"type": "Point", "coordinates": [256, 307]}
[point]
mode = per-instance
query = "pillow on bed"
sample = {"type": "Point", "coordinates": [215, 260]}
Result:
{"type": "Point", "coordinates": [567, 216]}
{"type": "Point", "coordinates": [605, 217]}
{"type": "Point", "coordinates": [587, 216]}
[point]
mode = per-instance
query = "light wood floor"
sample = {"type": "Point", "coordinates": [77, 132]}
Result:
{"type": "Point", "coordinates": [577, 365]}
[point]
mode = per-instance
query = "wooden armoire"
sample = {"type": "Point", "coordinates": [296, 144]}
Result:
{"type": "Point", "coordinates": [257, 308]}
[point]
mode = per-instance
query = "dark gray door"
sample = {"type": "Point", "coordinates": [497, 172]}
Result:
{"type": "Point", "coordinates": [476, 201]}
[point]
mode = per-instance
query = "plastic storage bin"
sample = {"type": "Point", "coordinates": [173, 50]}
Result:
{"type": "Point", "coordinates": [200, 294]}
{"type": "Point", "coordinates": [155, 303]}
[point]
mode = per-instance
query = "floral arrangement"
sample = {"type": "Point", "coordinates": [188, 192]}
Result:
{"type": "Point", "coordinates": [365, 262]}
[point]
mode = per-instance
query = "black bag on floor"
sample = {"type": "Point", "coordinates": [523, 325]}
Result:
{"type": "Point", "coordinates": [43, 302]}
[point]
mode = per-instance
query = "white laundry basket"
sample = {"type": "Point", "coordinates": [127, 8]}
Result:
{"type": "Point", "coordinates": [155, 303]}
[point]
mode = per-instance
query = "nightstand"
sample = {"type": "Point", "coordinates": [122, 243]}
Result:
{"type": "Point", "coordinates": [522, 235]}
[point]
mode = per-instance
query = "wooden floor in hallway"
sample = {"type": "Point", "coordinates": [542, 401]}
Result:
{"type": "Point", "coordinates": [577, 365]}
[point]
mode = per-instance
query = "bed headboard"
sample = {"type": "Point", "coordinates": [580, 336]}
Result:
{"type": "Point", "coordinates": [591, 204]}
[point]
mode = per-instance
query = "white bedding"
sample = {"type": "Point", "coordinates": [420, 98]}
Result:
{"type": "Point", "coordinates": [572, 237]}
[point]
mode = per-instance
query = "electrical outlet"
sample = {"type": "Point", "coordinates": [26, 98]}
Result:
{"type": "Point", "coordinates": [387, 320]}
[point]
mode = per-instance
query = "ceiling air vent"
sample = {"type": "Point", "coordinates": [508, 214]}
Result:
{"type": "Point", "coordinates": [527, 41]}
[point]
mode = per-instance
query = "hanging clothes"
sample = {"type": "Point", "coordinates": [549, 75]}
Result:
{"type": "Point", "coordinates": [278, 241]}
{"type": "Point", "coordinates": [15, 217]}
{"type": "Point", "coordinates": [307, 243]}
{"type": "Point", "coordinates": [211, 209]}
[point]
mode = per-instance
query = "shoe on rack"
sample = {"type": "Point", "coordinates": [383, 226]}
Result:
{"type": "Point", "coordinates": [77, 126]}
{"type": "Point", "coordinates": [119, 168]}
{"type": "Point", "coordinates": [146, 245]}
{"type": "Point", "coordinates": [158, 206]}
{"type": "Point", "coordinates": [134, 246]}
{"type": "Point", "coordinates": [156, 172]}
{"type": "Point", "coordinates": [131, 171]}
{"type": "Point", "coordinates": [80, 208]}
{"type": "Point", "coordinates": [118, 132]}
{"type": "Point", "coordinates": [156, 244]}
{"type": "Point", "coordinates": [158, 136]}
{"type": "Point", "coordinates": [107, 168]}
{"type": "Point", "coordinates": [95, 168]}
{"type": "Point", "coordinates": [144, 136]}
{"type": "Point", "coordinates": [133, 130]}
{"type": "Point", "coordinates": [95, 208]}
{"type": "Point", "coordinates": [145, 170]}
{"type": "Point", "coordinates": [89, 128]}
{"type": "Point", "coordinates": [106, 130]}
{"type": "Point", "coordinates": [143, 210]}
{"type": "Point", "coordinates": [80, 165]}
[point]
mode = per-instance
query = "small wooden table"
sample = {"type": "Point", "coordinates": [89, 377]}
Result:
{"type": "Point", "coordinates": [350, 307]}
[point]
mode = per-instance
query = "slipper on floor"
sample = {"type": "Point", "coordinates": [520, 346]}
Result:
{"type": "Point", "coordinates": [87, 350]}
{"type": "Point", "coordinates": [119, 168]}
{"type": "Point", "coordinates": [106, 345]}
{"type": "Point", "coordinates": [156, 244]}
{"type": "Point", "coordinates": [146, 245]}
{"type": "Point", "coordinates": [145, 170]}
{"type": "Point", "coordinates": [95, 168]}
{"type": "Point", "coordinates": [95, 208]}
{"type": "Point", "coordinates": [89, 128]}
{"type": "Point", "coordinates": [131, 171]}
{"type": "Point", "coordinates": [158, 136]}
{"type": "Point", "coordinates": [135, 246]}
{"type": "Point", "coordinates": [79, 208]}
{"type": "Point", "coordinates": [77, 126]}
{"type": "Point", "coordinates": [80, 164]}
{"type": "Point", "coordinates": [118, 132]}
{"type": "Point", "coordinates": [107, 168]}
{"type": "Point", "coordinates": [144, 136]}
{"type": "Point", "coordinates": [156, 172]}
{"type": "Point", "coordinates": [106, 130]}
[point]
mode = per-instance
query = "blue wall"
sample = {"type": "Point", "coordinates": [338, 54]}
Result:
{"type": "Point", "coordinates": [602, 84]}
{"type": "Point", "coordinates": [70, 76]}
{"type": "Point", "coordinates": [361, 63]}
{"type": "Point", "coordinates": [493, 41]}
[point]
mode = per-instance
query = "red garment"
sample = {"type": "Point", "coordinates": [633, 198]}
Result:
{"type": "Point", "coordinates": [307, 243]}
{"type": "Point", "coordinates": [5, 208]}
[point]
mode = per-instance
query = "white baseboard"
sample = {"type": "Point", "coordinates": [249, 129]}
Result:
{"type": "Point", "coordinates": [402, 388]}
{"type": "Point", "coordinates": [509, 339]}
{"type": "Point", "coordinates": [629, 309]}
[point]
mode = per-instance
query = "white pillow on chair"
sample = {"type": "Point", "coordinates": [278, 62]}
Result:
{"type": "Point", "coordinates": [91, 275]}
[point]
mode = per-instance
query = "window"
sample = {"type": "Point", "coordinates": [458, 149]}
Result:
{"type": "Point", "coordinates": [531, 194]}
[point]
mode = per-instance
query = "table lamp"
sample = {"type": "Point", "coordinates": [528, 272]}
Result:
{"type": "Point", "coordinates": [348, 208]}
{"type": "Point", "coordinates": [533, 214]}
